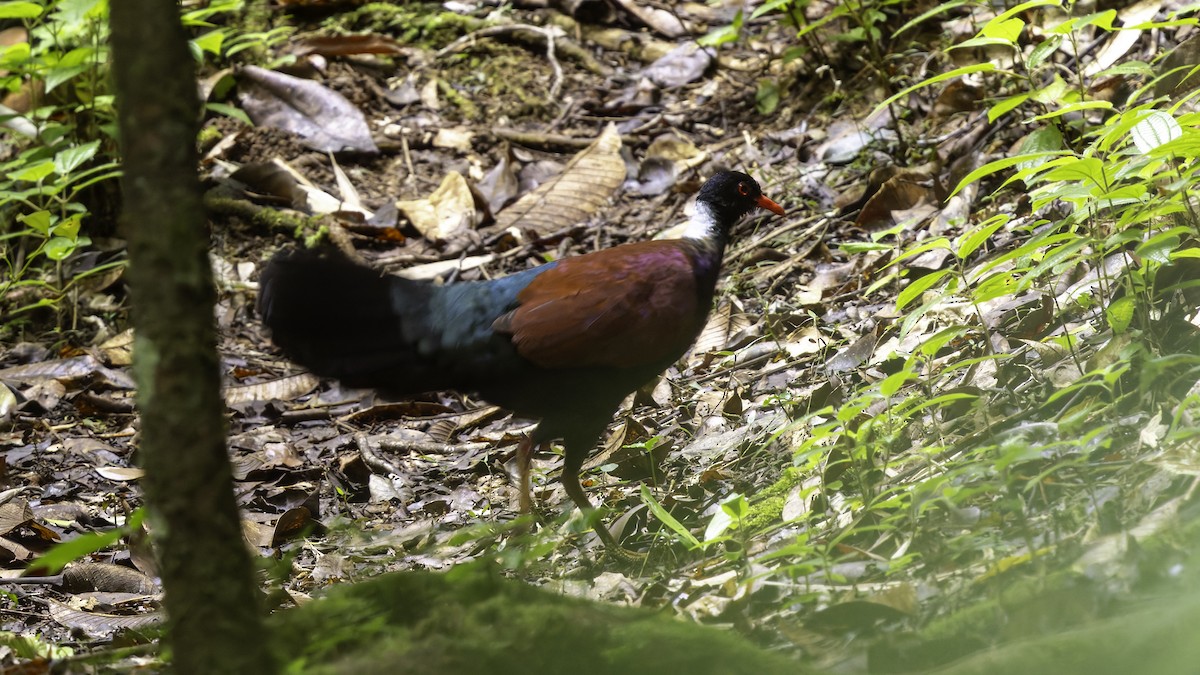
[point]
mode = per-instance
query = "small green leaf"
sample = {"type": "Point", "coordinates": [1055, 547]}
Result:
{"type": "Point", "coordinates": [892, 383]}
{"type": "Point", "coordinates": [972, 240]}
{"type": "Point", "coordinates": [1128, 68]}
{"type": "Point", "coordinates": [929, 14]}
{"type": "Point", "coordinates": [211, 41]}
{"type": "Point", "coordinates": [57, 76]}
{"type": "Point", "coordinates": [1155, 129]}
{"type": "Point", "coordinates": [723, 35]}
{"type": "Point", "coordinates": [59, 248]}
{"type": "Point", "coordinates": [69, 159]}
{"type": "Point", "coordinates": [75, 12]}
{"type": "Point", "coordinates": [931, 346]}
{"type": "Point", "coordinates": [916, 288]}
{"type": "Point", "coordinates": [766, 98]}
{"type": "Point", "coordinates": [20, 10]}
{"type": "Point", "coordinates": [75, 549]}
{"type": "Point", "coordinates": [1052, 93]}
{"type": "Point", "coordinates": [1006, 30]}
{"type": "Point", "coordinates": [1159, 247]}
{"type": "Point", "coordinates": [80, 56]}
{"type": "Point", "coordinates": [647, 445]}
{"type": "Point", "coordinates": [1006, 105]}
{"type": "Point", "coordinates": [1087, 169]}
{"type": "Point", "coordinates": [1077, 106]}
{"type": "Point", "coordinates": [1158, 25]}
{"type": "Point", "coordinates": [880, 283]}
{"type": "Point", "coordinates": [1045, 139]}
{"type": "Point", "coordinates": [34, 173]}
{"type": "Point", "coordinates": [38, 220]}
{"type": "Point", "coordinates": [14, 56]}
{"type": "Point", "coordinates": [943, 399]}
{"type": "Point", "coordinates": [950, 75]}
{"type": "Point", "coordinates": [794, 52]}
{"type": "Point", "coordinates": [669, 520]}
{"type": "Point", "coordinates": [929, 245]}
{"type": "Point", "coordinates": [736, 506]}
{"type": "Point", "coordinates": [1120, 314]}
{"type": "Point", "coordinates": [981, 41]}
{"type": "Point", "coordinates": [995, 286]}
{"type": "Point", "coordinates": [1000, 165]}
{"type": "Point", "coordinates": [853, 247]}
{"type": "Point", "coordinates": [68, 227]}
{"type": "Point", "coordinates": [769, 6]}
{"type": "Point", "coordinates": [1041, 52]}
{"type": "Point", "coordinates": [1026, 6]}
{"type": "Point", "coordinates": [229, 111]}
{"type": "Point", "coordinates": [733, 509]}
{"type": "Point", "coordinates": [1102, 19]}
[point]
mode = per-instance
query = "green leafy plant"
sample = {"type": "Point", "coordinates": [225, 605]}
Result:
{"type": "Point", "coordinates": [49, 191]}
{"type": "Point", "coordinates": [224, 42]}
{"type": "Point", "coordinates": [47, 194]}
{"type": "Point", "coordinates": [60, 184]}
{"type": "Point", "coordinates": [1107, 251]}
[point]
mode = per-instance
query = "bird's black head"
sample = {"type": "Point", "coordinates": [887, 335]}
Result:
{"type": "Point", "coordinates": [731, 194]}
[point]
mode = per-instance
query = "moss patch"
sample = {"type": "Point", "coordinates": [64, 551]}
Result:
{"type": "Point", "coordinates": [471, 620]}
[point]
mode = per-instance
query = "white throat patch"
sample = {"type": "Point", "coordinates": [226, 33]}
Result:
{"type": "Point", "coordinates": [702, 224]}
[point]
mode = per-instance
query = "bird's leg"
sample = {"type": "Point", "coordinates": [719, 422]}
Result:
{"type": "Point", "coordinates": [572, 463]}
{"type": "Point", "coordinates": [524, 459]}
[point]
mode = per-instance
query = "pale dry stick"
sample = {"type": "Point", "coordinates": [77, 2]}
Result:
{"type": "Point", "coordinates": [556, 85]}
{"type": "Point", "coordinates": [408, 163]}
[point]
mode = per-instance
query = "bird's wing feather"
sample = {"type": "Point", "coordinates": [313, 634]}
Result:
{"type": "Point", "coordinates": [632, 306]}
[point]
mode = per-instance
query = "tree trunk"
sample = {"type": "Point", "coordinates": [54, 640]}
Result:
{"type": "Point", "coordinates": [214, 617]}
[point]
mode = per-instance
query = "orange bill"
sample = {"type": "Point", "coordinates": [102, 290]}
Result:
{"type": "Point", "coordinates": [771, 206]}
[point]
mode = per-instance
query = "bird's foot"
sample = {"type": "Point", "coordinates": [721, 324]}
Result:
{"type": "Point", "coordinates": [613, 548]}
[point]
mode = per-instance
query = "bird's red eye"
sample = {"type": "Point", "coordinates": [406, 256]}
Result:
{"type": "Point", "coordinates": [743, 190]}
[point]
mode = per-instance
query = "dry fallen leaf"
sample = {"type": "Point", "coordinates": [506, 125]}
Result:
{"type": "Point", "coordinates": [686, 63]}
{"type": "Point", "coordinates": [73, 371]}
{"type": "Point", "coordinates": [118, 349]}
{"type": "Point", "coordinates": [96, 625]}
{"type": "Point", "coordinates": [499, 185]}
{"type": "Point", "coordinates": [724, 321]}
{"type": "Point", "coordinates": [1119, 42]}
{"type": "Point", "coordinates": [454, 138]}
{"type": "Point", "coordinates": [278, 179]}
{"type": "Point", "coordinates": [120, 473]}
{"type": "Point", "coordinates": [909, 195]}
{"type": "Point", "coordinates": [14, 514]}
{"type": "Point", "coordinates": [588, 181]}
{"type": "Point", "coordinates": [445, 214]}
{"type": "Point", "coordinates": [322, 118]}
{"type": "Point", "coordinates": [284, 389]}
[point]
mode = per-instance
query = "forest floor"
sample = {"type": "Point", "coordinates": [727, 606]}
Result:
{"type": "Point", "coordinates": [411, 147]}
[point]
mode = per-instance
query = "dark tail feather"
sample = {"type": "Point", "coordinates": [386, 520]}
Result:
{"type": "Point", "coordinates": [343, 320]}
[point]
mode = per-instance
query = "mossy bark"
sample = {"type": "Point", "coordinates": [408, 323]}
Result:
{"type": "Point", "coordinates": [214, 619]}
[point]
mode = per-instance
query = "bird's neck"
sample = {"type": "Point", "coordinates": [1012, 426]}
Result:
{"type": "Point", "coordinates": [704, 239]}
{"type": "Point", "coordinates": [707, 234]}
